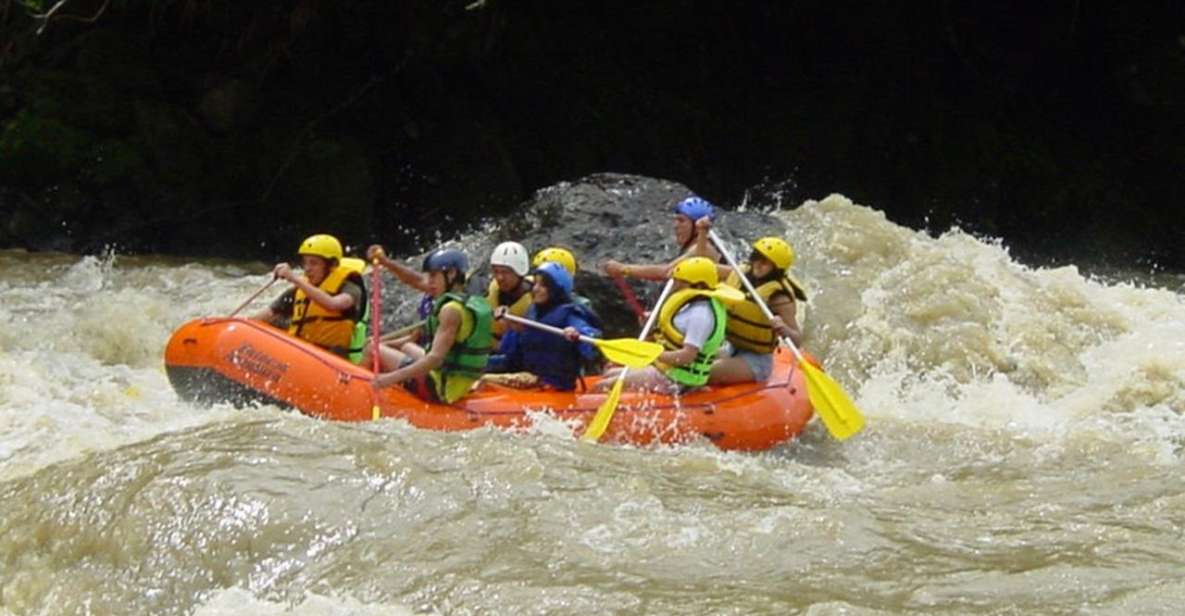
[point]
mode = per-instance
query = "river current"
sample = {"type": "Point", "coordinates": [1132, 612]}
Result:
{"type": "Point", "coordinates": [1023, 454]}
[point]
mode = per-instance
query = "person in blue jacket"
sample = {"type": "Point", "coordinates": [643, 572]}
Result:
{"type": "Point", "coordinates": [555, 360]}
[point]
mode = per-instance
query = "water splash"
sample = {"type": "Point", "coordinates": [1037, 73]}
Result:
{"type": "Point", "coordinates": [1024, 435]}
{"type": "Point", "coordinates": [953, 329]}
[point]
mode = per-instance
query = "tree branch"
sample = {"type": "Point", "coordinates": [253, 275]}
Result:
{"type": "Point", "coordinates": [88, 20]}
{"type": "Point", "coordinates": [49, 15]}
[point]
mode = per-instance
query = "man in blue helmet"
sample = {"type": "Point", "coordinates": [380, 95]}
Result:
{"type": "Point", "coordinates": [458, 330]}
{"type": "Point", "coordinates": [554, 361]}
{"type": "Point", "coordinates": [687, 212]}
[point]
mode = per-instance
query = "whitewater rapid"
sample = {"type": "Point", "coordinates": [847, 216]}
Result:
{"type": "Point", "coordinates": [1022, 454]}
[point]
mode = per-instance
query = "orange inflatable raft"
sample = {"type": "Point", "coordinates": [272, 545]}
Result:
{"type": "Point", "coordinates": [242, 361]}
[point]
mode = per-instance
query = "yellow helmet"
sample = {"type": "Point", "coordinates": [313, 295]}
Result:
{"type": "Point", "coordinates": [555, 254]}
{"type": "Point", "coordinates": [777, 250]}
{"type": "Point", "coordinates": [321, 245]}
{"type": "Point", "coordinates": [697, 270]}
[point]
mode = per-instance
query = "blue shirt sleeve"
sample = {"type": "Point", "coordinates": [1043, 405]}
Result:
{"type": "Point", "coordinates": [587, 350]}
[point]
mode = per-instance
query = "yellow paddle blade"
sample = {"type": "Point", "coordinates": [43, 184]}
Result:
{"type": "Point", "coordinates": [838, 412]}
{"type": "Point", "coordinates": [604, 414]}
{"type": "Point", "coordinates": [629, 352]}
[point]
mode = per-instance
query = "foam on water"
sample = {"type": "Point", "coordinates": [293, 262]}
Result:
{"type": "Point", "coordinates": [1023, 434]}
{"type": "Point", "coordinates": [81, 369]}
{"type": "Point", "coordinates": [952, 329]}
{"type": "Point", "coordinates": [239, 602]}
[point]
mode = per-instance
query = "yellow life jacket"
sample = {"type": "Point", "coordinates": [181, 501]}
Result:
{"type": "Point", "coordinates": [748, 328]}
{"type": "Point", "coordinates": [325, 328]}
{"type": "Point", "coordinates": [518, 307]}
{"type": "Point", "coordinates": [695, 373]}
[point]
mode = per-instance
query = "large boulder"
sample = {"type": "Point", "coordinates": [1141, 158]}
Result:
{"type": "Point", "coordinates": [615, 216]}
{"type": "Point", "coordinates": [599, 217]}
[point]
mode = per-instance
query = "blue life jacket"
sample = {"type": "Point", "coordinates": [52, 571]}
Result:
{"type": "Point", "coordinates": [552, 358]}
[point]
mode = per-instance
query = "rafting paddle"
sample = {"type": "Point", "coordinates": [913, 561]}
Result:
{"type": "Point", "coordinates": [405, 330]}
{"type": "Point", "coordinates": [253, 296]}
{"type": "Point", "coordinates": [630, 298]}
{"type": "Point", "coordinates": [376, 338]}
{"type": "Point", "coordinates": [624, 351]}
{"type": "Point", "coordinates": [600, 421]}
{"type": "Point", "coordinates": [835, 408]}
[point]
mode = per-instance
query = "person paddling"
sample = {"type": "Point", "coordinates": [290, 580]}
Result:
{"type": "Point", "coordinates": [458, 330]}
{"type": "Point", "coordinates": [553, 360]}
{"type": "Point", "coordinates": [751, 337]}
{"type": "Point", "coordinates": [567, 260]}
{"type": "Point", "coordinates": [691, 324]}
{"type": "Point", "coordinates": [687, 212]}
{"type": "Point", "coordinates": [324, 306]}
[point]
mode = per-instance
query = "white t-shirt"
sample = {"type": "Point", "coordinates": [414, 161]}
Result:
{"type": "Point", "coordinates": [696, 320]}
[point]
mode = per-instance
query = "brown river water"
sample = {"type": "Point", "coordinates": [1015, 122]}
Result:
{"type": "Point", "coordinates": [1023, 455]}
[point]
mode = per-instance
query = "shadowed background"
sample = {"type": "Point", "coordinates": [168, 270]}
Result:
{"type": "Point", "coordinates": [232, 129]}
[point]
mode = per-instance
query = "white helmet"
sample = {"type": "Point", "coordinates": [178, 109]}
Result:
{"type": "Point", "coordinates": [512, 255]}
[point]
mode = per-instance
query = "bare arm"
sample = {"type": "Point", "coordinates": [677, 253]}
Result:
{"type": "Point", "coordinates": [785, 323]}
{"type": "Point", "coordinates": [641, 271]}
{"type": "Point", "coordinates": [271, 315]}
{"type": "Point", "coordinates": [337, 303]}
{"type": "Point", "coordinates": [659, 271]}
{"type": "Point", "coordinates": [704, 248]}
{"type": "Point", "coordinates": [406, 275]}
{"type": "Point", "coordinates": [267, 315]}
{"type": "Point", "coordinates": [446, 334]}
{"type": "Point", "coordinates": [682, 357]}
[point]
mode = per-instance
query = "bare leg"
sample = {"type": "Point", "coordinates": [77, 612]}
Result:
{"type": "Point", "coordinates": [413, 350]}
{"type": "Point", "coordinates": [391, 358]}
{"type": "Point", "coordinates": [367, 360]}
{"type": "Point", "coordinates": [388, 358]}
{"type": "Point", "coordinates": [644, 379]}
{"type": "Point", "coordinates": [729, 371]}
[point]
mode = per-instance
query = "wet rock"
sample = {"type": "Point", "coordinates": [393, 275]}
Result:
{"type": "Point", "coordinates": [628, 218]}
{"type": "Point", "coordinates": [612, 216]}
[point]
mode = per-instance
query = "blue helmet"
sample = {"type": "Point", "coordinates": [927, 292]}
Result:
{"type": "Point", "coordinates": [560, 278]}
{"type": "Point", "coordinates": [695, 208]}
{"type": "Point", "coordinates": [445, 258]}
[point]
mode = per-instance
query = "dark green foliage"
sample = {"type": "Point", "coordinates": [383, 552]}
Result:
{"type": "Point", "coordinates": [1050, 124]}
{"type": "Point", "coordinates": [113, 161]}
{"type": "Point", "coordinates": [36, 150]}
{"type": "Point", "coordinates": [33, 6]}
